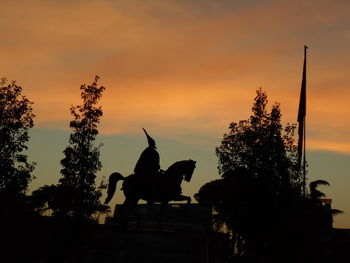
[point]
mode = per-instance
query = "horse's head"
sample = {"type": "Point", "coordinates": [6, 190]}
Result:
{"type": "Point", "coordinates": [189, 168]}
{"type": "Point", "coordinates": [182, 170]}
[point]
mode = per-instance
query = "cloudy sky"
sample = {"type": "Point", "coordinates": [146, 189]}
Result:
{"type": "Point", "coordinates": [183, 70]}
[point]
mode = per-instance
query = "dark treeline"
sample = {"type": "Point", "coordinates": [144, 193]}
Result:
{"type": "Point", "coordinates": [75, 195]}
{"type": "Point", "coordinates": [258, 201]}
{"type": "Point", "coordinates": [73, 203]}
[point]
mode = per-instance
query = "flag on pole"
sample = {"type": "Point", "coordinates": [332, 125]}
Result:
{"type": "Point", "coordinates": [302, 111]}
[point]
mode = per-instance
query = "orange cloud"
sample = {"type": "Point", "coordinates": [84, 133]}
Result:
{"type": "Point", "coordinates": [179, 67]}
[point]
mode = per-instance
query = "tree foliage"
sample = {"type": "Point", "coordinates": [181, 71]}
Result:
{"type": "Point", "coordinates": [16, 118]}
{"type": "Point", "coordinates": [261, 145]}
{"type": "Point", "coordinates": [76, 194]}
{"type": "Point", "coordinates": [258, 198]}
{"type": "Point", "coordinates": [82, 157]}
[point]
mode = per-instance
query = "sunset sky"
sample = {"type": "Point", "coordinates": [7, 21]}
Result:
{"type": "Point", "coordinates": [182, 69]}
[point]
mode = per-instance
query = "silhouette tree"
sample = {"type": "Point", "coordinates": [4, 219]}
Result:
{"type": "Point", "coordinates": [258, 198]}
{"type": "Point", "coordinates": [260, 179]}
{"type": "Point", "coordinates": [81, 161]}
{"type": "Point", "coordinates": [314, 193]}
{"type": "Point", "coordinates": [16, 118]}
{"type": "Point", "coordinates": [76, 195]}
{"type": "Point", "coordinates": [324, 213]}
{"type": "Point", "coordinates": [261, 145]}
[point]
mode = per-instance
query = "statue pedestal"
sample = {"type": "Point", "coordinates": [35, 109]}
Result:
{"type": "Point", "coordinates": [193, 217]}
{"type": "Point", "coordinates": [185, 236]}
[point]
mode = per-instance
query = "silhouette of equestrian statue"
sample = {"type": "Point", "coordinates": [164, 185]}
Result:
{"type": "Point", "coordinates": [151, 184]}
{"type": "Point", "coordinates": [148, 167]}
{"type": "Point", "coordinates": [148, 163]}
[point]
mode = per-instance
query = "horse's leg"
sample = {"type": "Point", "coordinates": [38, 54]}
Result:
{"type": "Point", "coordinates": [183, 198]}
{"type": "Point", "coordinates": [128, 208]}
{"type": "Point", "coordinates": [122, 212]}
{"type": "Point", "coordinates": [161, 214]}
{"type": "Point", "coordinates": [130, 205]}
{"type": "Point", "coordinates": [136, 210]}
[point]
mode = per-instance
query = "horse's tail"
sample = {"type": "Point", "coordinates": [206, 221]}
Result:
{"type": "Point", "coordinates": [112, 185]}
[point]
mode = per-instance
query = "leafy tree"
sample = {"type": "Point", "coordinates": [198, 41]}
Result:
{"type": "Point", "coordinates": [76, 195]}
{"type": "Point", "coordinates": [81, 162]}
{"type": "Point", "coordinates": [258, 198]}
{"type": "Point", "coordinates": [16, 118]}
{"type": "Point", "coordinates": [261, 145]}
{"type": "Point", "coordinates": [324, 213]}
{"type": "Point", "coordinates": [314, 193]}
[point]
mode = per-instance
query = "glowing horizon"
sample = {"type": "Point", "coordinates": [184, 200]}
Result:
{"type": "Point", "coordinates": [183, 71]}
{"type": "Point", "coordinates": [181, 68]}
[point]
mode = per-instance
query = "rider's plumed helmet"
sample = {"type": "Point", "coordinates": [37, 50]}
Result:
{"type": "Point", "coordinates": [151, 142]}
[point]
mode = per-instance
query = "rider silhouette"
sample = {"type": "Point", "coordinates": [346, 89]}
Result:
{"type": "Point", "coordinates": [148, 164]}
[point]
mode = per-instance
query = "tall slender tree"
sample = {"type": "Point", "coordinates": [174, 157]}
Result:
{"type": "Point", "coordinates": [259, 197]}
{"type": "Point", "coordinates": [16, 118]}
{"type": "Point", "coordinates": [260, 177]}
{"type": "Point", "coordinates": [261, 145]}
{"type": "Point", "coordinates": [78, 191]}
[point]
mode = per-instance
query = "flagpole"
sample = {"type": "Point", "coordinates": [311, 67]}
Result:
{"type": "Point", "coordinates": [304, 129]}
{"type": "Point", "coordinates": [304, 159]}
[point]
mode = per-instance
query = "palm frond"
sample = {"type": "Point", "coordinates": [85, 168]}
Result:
{"type": "Point", "coordinates": [336, 212]}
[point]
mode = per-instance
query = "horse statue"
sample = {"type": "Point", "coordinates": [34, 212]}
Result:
{"type": "Point", "coordinates": [164, 188]}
